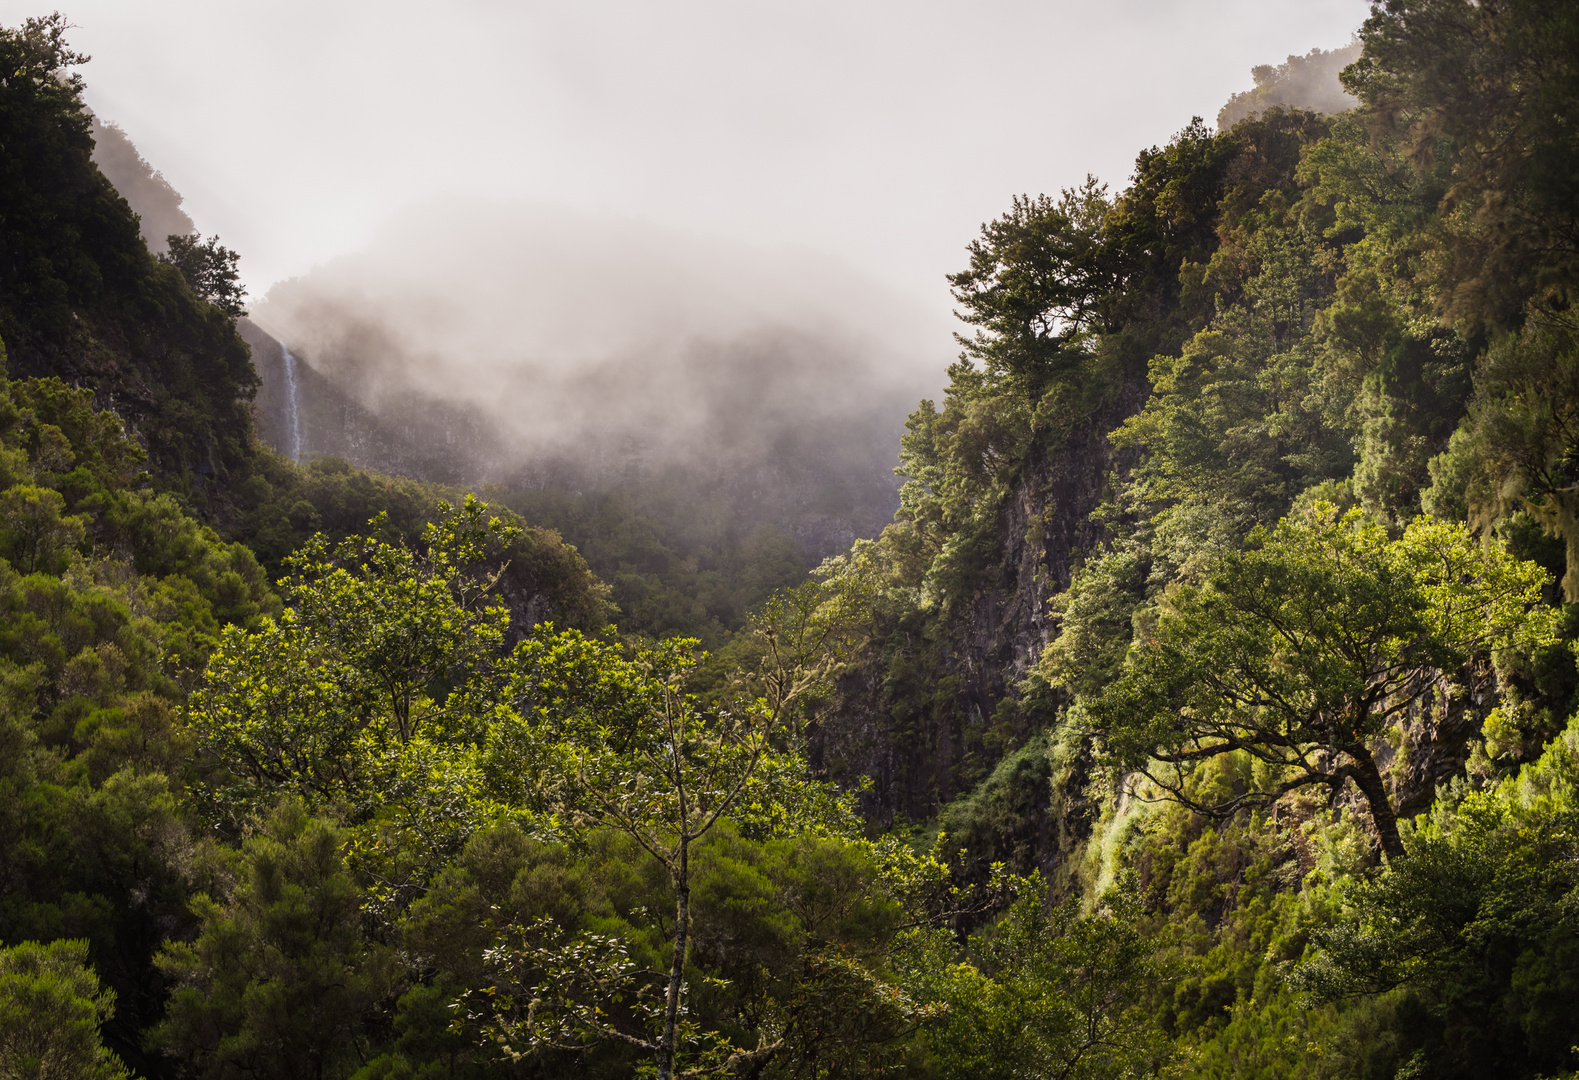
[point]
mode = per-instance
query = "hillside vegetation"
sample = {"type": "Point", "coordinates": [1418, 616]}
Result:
{"type": "Point", "coordinates": [1207, 710]}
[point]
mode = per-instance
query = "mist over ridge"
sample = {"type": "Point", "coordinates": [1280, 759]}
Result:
{"type": "Point", "coordinates": [573, 334]}
{"type": "Point", "coordinates": [156, 203]}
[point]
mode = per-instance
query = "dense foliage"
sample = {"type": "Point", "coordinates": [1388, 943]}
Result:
{"type": "Point", "coordinates": [82, 299]}
{"type": "Point", "coordinates": [678, 559]}
{"type": "Point", "coordinates": [1160, 595]}
{"type": "Point", "coordinates": [1207, 710]}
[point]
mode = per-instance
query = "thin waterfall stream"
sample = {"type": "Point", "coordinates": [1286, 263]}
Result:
{"type": "Point", "coordinates": [293, 411]}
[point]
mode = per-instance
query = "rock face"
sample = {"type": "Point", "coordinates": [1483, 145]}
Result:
{"type": "Point", "coordinates": [428, 441]}
{"type": "Point", "coordinates": [930, 716]}
{"type": "Point", "coordinates": [929, 710]}
{"type": "Point", "coordinates": [1433, 742]}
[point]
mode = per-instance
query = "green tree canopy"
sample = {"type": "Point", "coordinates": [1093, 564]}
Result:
{"type": "Point", "coordinates": [280, 978]}
{"type": "Point", "coordinates": [51, 1007]}
{"type": "Point", "coordinates": [1302, 649]}
{"type": "Point", "coordinates": [611, 739]}
{"type": "Point", "coordinates": [1477, 928]}
{"type": "Point", "coordinates": [1044, 995]}
{"type": "Point", "coordinates": [1037, 279]}
{"type": "Point", "coordinates": [1492, 87]}
{"type": "Point", "coordinates": [385, 654]}
{"type": "Point", "coordinates": [210, 269]}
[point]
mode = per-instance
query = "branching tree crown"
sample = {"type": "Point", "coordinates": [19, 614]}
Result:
{"type": "Point", "coordinates": [1302, 649]}
{"type": "Point", "coordinates": [599, 736]}
{"type": "Point", "coordinates": [1037, 277]}
{"type": "Point", "coordinates": [379, 678]}
{"type": "Point", "coordinates": [210, 269]}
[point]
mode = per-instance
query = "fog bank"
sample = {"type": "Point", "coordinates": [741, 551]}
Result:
{"type": "Point", "coordinates": [156, 204]}
{"type": "Point", "coordinates": [594, 339]}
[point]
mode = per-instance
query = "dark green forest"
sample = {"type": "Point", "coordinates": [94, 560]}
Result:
{"type": "Point", "coordinates": [1209, 709]}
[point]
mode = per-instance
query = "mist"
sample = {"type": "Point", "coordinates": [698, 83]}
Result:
{"type": "Point", "coordinates": [569, 348]}
{"type": "Point", "coordinates": [882, 132]}
{"type": "Point", "coordinates": [156, 203]}
{"type": "Point", "coordinates": [1307, 82]}
{"type": "Point", "coordinates": [734, 264]}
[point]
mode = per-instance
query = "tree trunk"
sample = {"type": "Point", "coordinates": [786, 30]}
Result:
{"type": "Point", "coordinates": [682, 935]}
{"type": "Point", "coordinates": [1369, 779]}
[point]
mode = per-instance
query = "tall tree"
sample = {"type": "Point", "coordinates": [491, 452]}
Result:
{"type": "Point", "coordinates": [1492, 85]}
{"type": "Point", "coordinates": [1302, 649]}
{"type": "Point", "coordinates": [51, 1007]}
{"type": "Point", "coordinates": [616, 740]}
{"type": "Point", "coordinates": [1519, 446]}
{"type": "Point", "coordinates": [280, 979]}
{"type": "Point", "coordinates": [386, 653]}
{"type": "Point", "coordinates": [210, 269]}
{"type": "Point", "coordinates": [1037, 278]}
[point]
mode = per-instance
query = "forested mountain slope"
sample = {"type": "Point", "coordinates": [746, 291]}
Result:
{"type": "Point", "coordinates": [1350, 321]}
{"type": "Point", "coordinates": [1206, 710]}
{"type": "Point", "coordinates": [684, 550]}
{"type": "Point", "coordinates": [1289, 311]}
{"type": "Point", "coordinates": [1012, 483]}
{"type": "Point", "coordinates": [82, 299]}
{"type": "Point", "coordinates": [156, 203]}
{"type": "Point", "coordinates": [125, 442]}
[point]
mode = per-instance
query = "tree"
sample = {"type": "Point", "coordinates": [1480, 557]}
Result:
{"type": "Point", "coordinates": [1519, 446]}
{"type": "Point", "coordinates": [1304, 82]}
{"type": "Point", "coordinates": [279, 981]}
{"type": "Point", "coordinates": [1228, 438]}
{"type": "Point", "coordinates": [1049, 995]}
{"type": "Point", "coordinates": [637, 753]}
{"type": "Point", "coordinates": [50, 1011]}
{"type": "Point", "coordinates": [789, 950]}
{"type": "Point", "coordinates": [385, 654]}
{"type": "Point", "coordinates": [1492, 86]}
{"type": "Point", "coordinates": [33, 534]}
{"type": "Point", "coordinates": [614, 740]}
{"type": "Point", "coordinates": [371, 696]}
{"type": "Point", "coordinates": [1478, 926]}
{"type": "Point", "coordinates": [1037, 278]}
{"type": "Point", "coordinates": [210, 269]}
{"type": "Point", "coordinates": [1307, 645]}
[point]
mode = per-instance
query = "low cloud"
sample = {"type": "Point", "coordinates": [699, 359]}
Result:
{"type": "Point", "coordinates": [577, 337]}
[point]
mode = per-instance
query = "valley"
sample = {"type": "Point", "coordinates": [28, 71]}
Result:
{"type": "Point", "coordinates": [545, 644]}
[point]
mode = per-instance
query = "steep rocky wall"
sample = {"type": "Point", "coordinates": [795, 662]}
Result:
{"type": "Point", "coordinates": [929, 715]}
{"type": "Point", "coordinates": [430, 440]}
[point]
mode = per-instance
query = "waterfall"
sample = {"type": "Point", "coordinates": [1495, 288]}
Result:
{"type": "Point", "coordinates": [293, 410]}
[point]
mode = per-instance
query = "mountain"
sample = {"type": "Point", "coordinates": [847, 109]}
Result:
{"type": "Point", "coordinates": [540, 350]}
{"type": "Point", "coordinates": [82, 299]}
{"type": "Point", "coordinates": [1208, 707]}
{"type": "Point", "coordinates": [156, 204]}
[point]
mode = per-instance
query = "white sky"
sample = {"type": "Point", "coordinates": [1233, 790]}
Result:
{"type": "Point", "coordinates": [882, 132]}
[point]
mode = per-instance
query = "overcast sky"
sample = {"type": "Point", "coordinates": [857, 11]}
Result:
{"type": "Point", "coordinates": [882, 132]}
